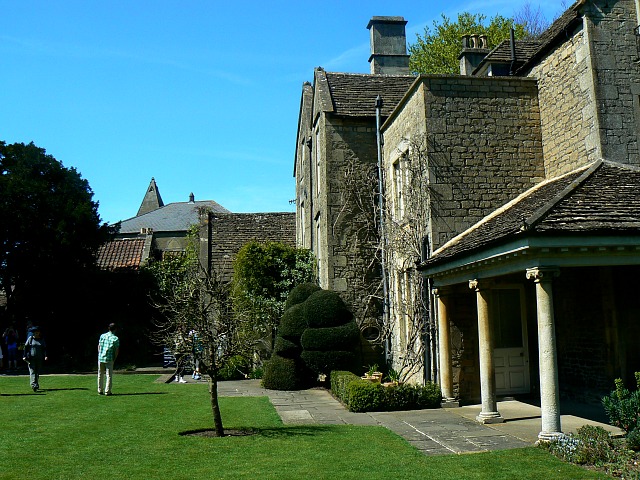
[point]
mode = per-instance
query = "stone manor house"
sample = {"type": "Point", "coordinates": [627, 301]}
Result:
{"type": "Point", "coordinates": [510, 204]}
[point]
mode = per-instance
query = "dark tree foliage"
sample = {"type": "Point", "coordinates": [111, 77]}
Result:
{"type": "Point", "coordinates": [50, 230]}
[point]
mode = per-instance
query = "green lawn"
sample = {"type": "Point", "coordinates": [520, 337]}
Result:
{"type": "Point", "coordinates": [68, 432]}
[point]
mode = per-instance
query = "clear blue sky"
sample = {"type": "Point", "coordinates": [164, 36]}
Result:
{"type": "Point", "coordinates": [202, 95]}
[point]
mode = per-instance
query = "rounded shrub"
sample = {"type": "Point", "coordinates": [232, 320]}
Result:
{"type": "Point", "coordinates": [292, 323]}
{"type": "Point", "coordinates": [282, 374]}
{"type": "Point", "coordinates": [325, 308]}
{"type": "Point", "coordinates": [286, 348]}
{"type": "Point", "coordinates": [325, 362]}
{"type": "Point", "coordinates": [299, 294]}
{"type": "Point", "coordinates": [344, 337]}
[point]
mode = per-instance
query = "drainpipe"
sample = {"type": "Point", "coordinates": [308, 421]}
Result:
{"type": "Point", "coordinates": [512, 35]}
{"type": "Point", "coordinates": [383, 236]}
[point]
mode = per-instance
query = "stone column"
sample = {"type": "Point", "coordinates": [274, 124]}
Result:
{"type": "Point", "coordinates": [548, 355]}
{"type": "Point", "coordinates": [444, 350]}
{"type": "Point", "coordinates": [489, 413]}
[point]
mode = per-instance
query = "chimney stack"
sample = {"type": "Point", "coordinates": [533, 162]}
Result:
{"type": "Point", "coordinates": [474, 49]}
{"type": "Point", "coordinates": [388, 46]}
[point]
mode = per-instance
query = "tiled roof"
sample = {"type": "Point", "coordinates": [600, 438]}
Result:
{"type": "Point", "coordinates": [525, 49]}
{"type": "Point", "coordinates": [121, 253]}
{"type": "Point", "coordinates": [229, 232]}
{"type": "Point", "coordinates": [174, 217]}
{"type": "Point", "coordinates": [602, 199]}
{"type": "Point", "coordinates": [354, 95]}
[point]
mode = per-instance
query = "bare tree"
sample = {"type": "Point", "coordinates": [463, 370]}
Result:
{"type": "Point", "coordinates": [533, 20]}
{"type": "Point", "coordinates": [196, 317]}
{"type": "Point", "coordinates": [409, 205]}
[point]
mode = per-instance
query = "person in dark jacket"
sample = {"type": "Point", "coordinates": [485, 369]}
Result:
{"type": "Point", "coordinates": [35, 354]}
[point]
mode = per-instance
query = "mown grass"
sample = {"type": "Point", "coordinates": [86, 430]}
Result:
{"type": "Point", "coordinates": [69, 432]}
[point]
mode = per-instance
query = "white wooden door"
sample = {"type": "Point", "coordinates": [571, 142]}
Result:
{"type": "Point", "coordinates": [510, 355]}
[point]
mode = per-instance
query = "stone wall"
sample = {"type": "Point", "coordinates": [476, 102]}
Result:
{"type": "Point", "coordinates": [226, 233]}
{"type": "Point", "coordinates": [568, 115]}
{"type": "Point", "coordinates": [614, 47]}
{"type": "Point", "coordinates": [349, 211]}
{"type": "Point", "coordinates": [484, 145]}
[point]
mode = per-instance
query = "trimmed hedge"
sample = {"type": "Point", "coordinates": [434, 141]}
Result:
{"type": "Point", "coordinates": [292, 323]}
{"type": "Point", "coordinates": [364, 396]}
{"type": "Point", "coordinates": [299, 294]}
{"type": "Point", "coordinates": [325, 308]}
{"type": "Point", "coordinates": [344, 337]}
{"type": "Point", "coordinates": [282, 374]}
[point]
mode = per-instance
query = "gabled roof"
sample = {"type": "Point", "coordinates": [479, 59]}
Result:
{"type": "Point", "coordinates": [121, 253]}
{"type": "Point", "coordinates": [354, 94]}
{"type": "Point", "coordinates": [603, 199]}
{"type": "Point", "coordinates": [174, 217]}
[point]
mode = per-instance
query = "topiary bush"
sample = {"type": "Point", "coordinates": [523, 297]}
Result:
{"type": "Point", "coordinates": [325, 308]}
{"type": "Point", "coordinates": [324, 362]}
{"type": "Point", "coordinates": [343, 337]}
{"type": "Point", "coordinates": [299, 294]}
{"type": "Point", "coordinates": [286, 348]}
{"type": "Point", "coordinates": [283, 374]}
{"type": "Point", "coordinates": [292, 324]}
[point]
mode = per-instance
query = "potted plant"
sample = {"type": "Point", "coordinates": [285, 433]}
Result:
{"type": "Point", "coordinates": [373, 374]}
{"type": "Point", "coordinates": [393, 377]}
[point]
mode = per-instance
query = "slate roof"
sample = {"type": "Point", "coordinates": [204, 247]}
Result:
{"type": "Point", "coordinates": [601, 199]}
{"type": "Point", "coordinates": [121, 253]}
{"type": "Point", "coordinates": [354, 94]}
{"type": "Point", "coordinates": [173, 217]}
{"type": "Point", "coordinates": [525, 49]}
{"type": "Point", "coordinates": [229, 232]}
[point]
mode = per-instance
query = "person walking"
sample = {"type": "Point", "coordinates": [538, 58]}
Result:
{"type": "Point", "coordinates": [35, 354]}
{"type": "Point", "coordinates": [108, 349]}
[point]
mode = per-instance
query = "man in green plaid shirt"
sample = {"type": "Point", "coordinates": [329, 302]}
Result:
{"type": "Point", "coordinates": [108, 349]}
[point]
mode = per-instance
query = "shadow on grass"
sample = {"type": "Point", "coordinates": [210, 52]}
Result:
{"type": "Point", "coordinates": [61, 389]}
{"type": "Point", "coordinates": [280, 432]}
{"type": "Point", "coordinates": [30, 394]}
{"type": "Point", "coordinates": [137, 393]}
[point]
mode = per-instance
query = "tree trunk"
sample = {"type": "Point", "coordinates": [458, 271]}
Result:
{"type": "Point", "coordinates": [215, 408]}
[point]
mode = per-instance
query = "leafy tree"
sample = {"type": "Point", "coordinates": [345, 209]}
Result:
{"type": "Point", "coordinates": [49, 228]}
{"type": "Point", "coordinates": [196, 317]}
{"type": "Point", "coordinates": [437, 50]}
{"type": "Point", "coordinates": [264, 274]}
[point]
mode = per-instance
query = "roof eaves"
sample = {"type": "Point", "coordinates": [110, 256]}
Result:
{"type": "Point", "coordinates": [564, 23]}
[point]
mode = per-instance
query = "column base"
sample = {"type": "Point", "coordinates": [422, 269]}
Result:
{"type": "Point", "coordinates": [449, 403]}
{"type": "Point", "coordinates": [548, 437]}
{"type": "Point", "coordinates": [489, 417]}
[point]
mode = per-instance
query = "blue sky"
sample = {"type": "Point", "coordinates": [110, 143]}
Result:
{"type": "Point", "coordinates": [202, 95]}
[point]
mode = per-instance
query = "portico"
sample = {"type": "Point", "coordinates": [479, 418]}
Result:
{"type": "Point", "coordinates": [523, 270]}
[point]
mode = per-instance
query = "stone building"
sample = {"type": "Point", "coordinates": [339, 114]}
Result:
{"type": "Point", "coordinates": [161, 229]}
{"type": "Point", "coordinates": [517, 183]}
{"type": "Point", "coordinates": [336, 171]}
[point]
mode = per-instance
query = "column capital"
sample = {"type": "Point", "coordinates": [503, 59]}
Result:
{"type": "Point", "coordinates": [440, 291]}
{"type": "Point", "coordinates": [481, 284]}
{"type": "Point", "coordinates": [542, 274]}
